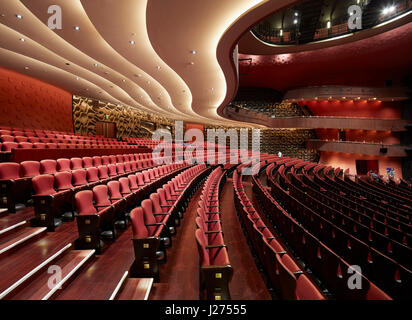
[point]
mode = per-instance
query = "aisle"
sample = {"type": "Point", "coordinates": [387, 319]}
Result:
{"type": "Point", "coordinates": [179, 276]}
{"type": "Point", "coordinates": [247, 283]}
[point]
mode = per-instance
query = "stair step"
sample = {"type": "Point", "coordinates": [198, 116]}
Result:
{"type": "Point", "coordinates": [21, 236]}
{"type": "Point", "coordinates": [132, 288]}
{"type": "Point", "coordinates": [18, 272]}
{"type": "Point", "coordinates": [12, 228]}
{"type": "Point", "coordinates": [46, 284]}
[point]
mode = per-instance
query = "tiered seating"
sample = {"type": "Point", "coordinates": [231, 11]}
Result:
{"type": "Point", "coordinates": [156, 220]}
{"type": "Point", "coordinates": [331, 268]}
{"type": "Point", "coordinates": [286, 276]}
{"type": "Point", "coordinates": [16, 178]}
{"type": "Point", "coordinates": [353, 236]}
{"type": "Point", "coordinates": [101, 207]}
{"type": "Point", "coordinates": [15, 138]}
{"type": "Point", "coordinates": [215, 271]}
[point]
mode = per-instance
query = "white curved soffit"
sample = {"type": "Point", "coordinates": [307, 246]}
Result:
{"type": "Point", "coordinates": [159, 71]}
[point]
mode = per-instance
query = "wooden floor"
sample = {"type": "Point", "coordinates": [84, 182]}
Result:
{"type": "Point", "coordinates": [99, 279]}
{"type": "Point", "coordinates": [179, 277]}
{"type": "Point", "coordinates": [247, 282]}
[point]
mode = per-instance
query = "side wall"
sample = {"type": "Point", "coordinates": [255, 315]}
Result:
{"type": "Point", "coordinates": [26, 102]}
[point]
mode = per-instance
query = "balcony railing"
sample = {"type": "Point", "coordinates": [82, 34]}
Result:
{"type": "Point", "coordinates": [279, 36]}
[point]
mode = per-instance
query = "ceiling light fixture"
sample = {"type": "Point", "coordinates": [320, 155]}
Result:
{"type": "Point", "coordinates": [295, 21]}
{"type": "Point", "coordinates": [77, 78]}
{"type": "Point", "coordinates": [158, 67]}
{"type": "Point", "coordinates": [131, 42]}
{"type": "Point", "coordinates": [191, 63]}
{"type": "Point", "coordinates": [19, 16]}
{"type": "Point", "coordinates": [123, 80]}
{"type": "Point", "coordinates": [77, 28]}
{"type": "Point", "coordinates": [22, 39]}
{"type": "Point", "coordinates": [96, 65]}
{"type": "Point", "coordinates": [27, 68]}
{"type": "Point", "coordinates": [193, 52]}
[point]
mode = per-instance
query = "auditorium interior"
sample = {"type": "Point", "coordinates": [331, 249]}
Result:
{"type": "Point", "coordinates": [205, 150]}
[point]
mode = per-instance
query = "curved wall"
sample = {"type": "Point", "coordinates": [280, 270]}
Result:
{"type": "Point", "coordinates": [26, 102]}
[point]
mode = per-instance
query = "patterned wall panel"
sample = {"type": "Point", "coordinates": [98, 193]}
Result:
{"type": "Point", "coordinates": [26, 102]}
{"type": "Point", "coordinates": [130, 122]}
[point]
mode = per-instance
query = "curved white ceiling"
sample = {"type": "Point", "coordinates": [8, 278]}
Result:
{"type": "Point", "coordinates": [159, 56]}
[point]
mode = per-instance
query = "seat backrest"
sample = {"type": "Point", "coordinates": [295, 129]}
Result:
{"type": "Point", "coordinates": [51, 145]}
{"type": "Point", "coordinates": [114, 190]}
{"type": "Point", "coordinates": [9, 146]}
{"type": "Point", "coordinates": [133, 181]}
{"type": "Point", "coordinates": [119, 158]}
{"type": "Point", "coordinates": [97, 161]}
{"type": "Point", "coordinates": [148, 214]}
{"type": "Point", "coordinates": [92, 174]}
{"type": "Point", "coordinates": [112, 170]}
{"type": "Point", "coordinates": [79, 177]}
{"type": "Point", "coordinates": [63, 180]}
{"type": "Point", "coordinates": [124, 185]}
{"type": "Point", "coordinates": [138, 225]}
{"type": "Point", "coordinates": [20, 139]}
{"type": "Point", "coordinates": [43, 185]}
{"type": "Point", "coordinates": [87, 162]}
{"type": "Point", "coordinates": [156, 203]}
{"type": "Point", "coordinates": [120, 168]}
{"type": "Point", "coordinates": [48, 166]}
{"type": "Point", "coordinates": [39, 145]}
{"type": "Point", "coordinates": [112, 159]}
{"type": "Point", "coordinates": [9, 170]}
{"type": "Point", "coordinates": [6, 138]}
{"type": "Point", "coordinates": [63, 164]}
{"type": "Point", "coordinates": [30, 168]}
{"type": "Point", "coordinates": [103, 172]}
{"type": "Point", "coordinates": [77, 163]}
{"type": "Point", "coordinates": [201, 245]}
{"type": "Point", "coordinates": [101, 195]}
{"type": "Point", "coordinates": [84, 202]}
{"type": "Point", "coordinates": [105, 160]}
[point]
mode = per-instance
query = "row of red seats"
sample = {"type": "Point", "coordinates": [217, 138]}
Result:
{"type": "Point", "coordinates": [51, 191]}
{"type": "Point", "coordinates": [15, 178]}
{"type": "Point", "coordinates": [289, 280]}
{"type": "Point", "coordinates": [379, 268]}
{"type": "Point", "coordinates": [215, 271]}
{"type": "Point", "coordinates": [10, 146]}
{"type": "Point", "coordinates": [351, 190]}
{"type": "Point", "coordinates": [392, 225]}
{"type": "Point", "coordinates": [156, 220]}
{"type": "Point", "coordinates": [328, 266]}
{"type": "Point", "coordinates": [99, 208]}
{"type": "Point", "coordinates": [25, 137]}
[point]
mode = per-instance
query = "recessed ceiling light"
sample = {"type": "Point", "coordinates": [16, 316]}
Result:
{"type": "Point", "coordinates": [96, 65]}
{"type": "Point", "coordinates": [2, 15]}
{"type": "Point", "coordinates": [77, 78]}
{"type": "Point", "coordinates": [131, 42]}
{"type": "Point", "coordinates": [22, 39]}
{"type": "Point", "coordinates": [138, 75]}
{"type": "Point", "coordinates": [77, 28]}
{"type": "Point", "coordinates": [295, 21]}
{"type": "Point", "coordinates": [158, 67]}
{"type": "Point", "coordinates": [193, 52]}
{"type": "Point", "coordinates": [148, 81]}
{"type": "Point", "coordinates": [191, 63]}
{"type": "Point", "coordinates": [67, 64]}
{"type": "Point", "coordinates": [27, 68]}
{"type": "Point", "coordinates": [19, 16]}
{"type": "Point", "coordinates": [123, 80]}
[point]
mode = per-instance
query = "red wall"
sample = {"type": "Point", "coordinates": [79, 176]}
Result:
{"type": "Point", "coordinates": [345, 161]}
{"type": "Point", "coordinates": [356, 109]}
{"type": "Point", "coordinates": [26, 102]}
